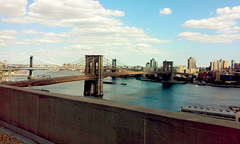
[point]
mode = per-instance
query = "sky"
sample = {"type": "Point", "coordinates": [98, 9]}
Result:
{"type": "Point", "coordinates": [131, 31]}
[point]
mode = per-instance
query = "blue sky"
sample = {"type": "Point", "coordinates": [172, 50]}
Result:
{"type": "Point", "coordinates": [132, 31]}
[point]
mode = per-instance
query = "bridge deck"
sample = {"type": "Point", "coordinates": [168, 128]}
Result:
{"type": "Point", "coordinates": [56, 80]}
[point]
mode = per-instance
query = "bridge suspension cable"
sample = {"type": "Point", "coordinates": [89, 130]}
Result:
{"type": "Point", "coordinates": [115, 67]}
{"type": "Point", "coordinates": [46, 61]}
{"type": "Point", "coordinates": [52, 74]}
{"type": "Point", "coordinates": [79, 61]}
{"type": "Point", "coordinates": [19, 60]}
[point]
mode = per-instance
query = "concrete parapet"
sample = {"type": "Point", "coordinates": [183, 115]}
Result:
{"type": "Point", "coordinates": [69, 119]}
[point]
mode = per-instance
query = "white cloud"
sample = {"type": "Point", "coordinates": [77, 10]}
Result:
{"type": "Point", "coordinates": [6, 54]}
{"type": "Point", "coordinates": [143, 48]}
{"type": "Point", "coordinates": [229, 30]}
{"type": "Point", "coordinates": [65, 13]}
{"type": "Point", "coordinates": [45, 39]}
{"type": "Point", "coordinates": [225, 25]}
{"type": "Point", "coordinates": [94, 28]}
{"type": "Point", "coordinates": [8, 32]}
{"type": "Point", "coordinates": [112, 36]}
{"type": "Point", "coordinates": [165, 11]}
{"type": "Point", "coordinates": [211, 13]}
{"type": "Point", "coordinates": [13, 7]}
{"type": "Point", "coordinates": [54, 54]}
{"type": "Point", "coordinates": [224, 20]}
{"type": "Point", "coordinates": [30, 32]}
{"type": "Point", "coordinates": [197, 37]}
{"type": "Point", "coordinates": [85, 22]}
{"type": "Point", "coordinates": [210, 23]}
{"type": "Point", "coordinates": [21, 54]}
{"type": "Point", "coordinates": [6, 40]}
{"type": "Point", "coordinates": [79, 47]}
{"type": "Point", "coordinates": [228, 13]}
{"type": "Point", "coordinates": [42, 40]}
{"type": "Point", "coordinates": [54, 34]}
{"type": "Point", "coordinates": [69, 9]}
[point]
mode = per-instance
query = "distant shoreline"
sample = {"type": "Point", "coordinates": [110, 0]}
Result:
{"type": "Point", "coordinates": [221, 85]}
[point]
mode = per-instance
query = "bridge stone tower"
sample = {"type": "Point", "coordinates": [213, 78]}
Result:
{"type": "Point", "coordinates": [114, 62]}
{"type": "Point", "coordinates": [31, 66]}
{"type": "Point", "coordinates": [168, 67]}
{"type": "Point", "coordinates": [114, 65]}
{"type": "Point", "coordinates": [94, 65]}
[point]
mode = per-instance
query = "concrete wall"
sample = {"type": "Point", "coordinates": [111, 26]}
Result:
{"type": "Point", "coordinates": [70, 119]}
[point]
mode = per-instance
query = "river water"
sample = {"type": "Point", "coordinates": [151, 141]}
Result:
{"type": "Point", "coordinates": [152, 95]}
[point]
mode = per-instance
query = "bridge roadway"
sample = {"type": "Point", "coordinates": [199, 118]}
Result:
{"type": "Point", "coordinates": [30, 68]}
{"type": "Point", "coordinates": [56, 80]}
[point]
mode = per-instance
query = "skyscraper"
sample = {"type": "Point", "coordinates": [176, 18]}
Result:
{"type": "Point", "coordinates": [153, 63]}
{"type": "Point", "coordinates": [215, 65]}
{"type": "Point", "coordinates": [232, 64]}
{"type": "Point", "coordinates": [191, 63]}
{"type": "Point", "coordinates": [211, 66]}
{"type": "Point", "coordinates": [147, 64]}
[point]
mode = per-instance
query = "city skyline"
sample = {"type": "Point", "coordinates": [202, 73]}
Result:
{"type": "Point", "coordinates": [64, 31]}
{"type": "Point", "coordinates": [191, 63]}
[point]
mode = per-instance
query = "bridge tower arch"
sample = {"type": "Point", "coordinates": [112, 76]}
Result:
{"type": "Point", "coordinates": [114, 65]}
{"type": "Point", "coordinates": [94, 65]}
{"type": "Point", "coordinates": [168, 67]}
{"type": "Point", "coordinates": [114, 62]}
{"type": "Point", "coordinates": [31, 66]}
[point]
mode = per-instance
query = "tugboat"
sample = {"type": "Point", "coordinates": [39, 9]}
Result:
{"type": "Point", "coordinates": [123, 83]}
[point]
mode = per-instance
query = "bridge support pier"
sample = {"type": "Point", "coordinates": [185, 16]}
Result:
{"type": "Point", "coordinates": [94, 65]}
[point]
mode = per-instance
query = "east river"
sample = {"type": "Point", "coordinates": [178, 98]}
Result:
{"type": "Point", "coordinates": [150, 94]}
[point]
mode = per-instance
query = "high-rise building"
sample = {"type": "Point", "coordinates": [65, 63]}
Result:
{"type": "Point", "coordinates": [215, 65]}
{"type": "Point", "coordinates": [147, 64]}
{"type": "Point", "coordinates": [219, 67]}
{"type": "Point", "coordinates": [211, 66]}
{"type": "Point", "coordinates": [232, 64]}
{"type": "Point", "coordinates": [191, 63]}
{"type": "Point", "coordinates": [226, 64]}
{"type": "Point", "coordinates": [1, 64]}
{"type": "Point", "coordinates": [153, 63]}
{"type": "Point", "coordinates": [221, 60]}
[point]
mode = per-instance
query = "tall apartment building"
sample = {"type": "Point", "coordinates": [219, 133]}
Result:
{"type": "Point", "coordinates": [226, 64]}
{"type": "Point", "coordinates": [215, 65]}
{"type": "Point", "coordinates": [191, 63]}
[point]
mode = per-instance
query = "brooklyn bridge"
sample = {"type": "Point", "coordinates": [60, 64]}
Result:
{"type": "Point", "coordinates": [95, 72]}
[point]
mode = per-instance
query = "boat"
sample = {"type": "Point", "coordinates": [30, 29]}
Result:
{"type": "Point", "coordinates": [44, 90]}
{"type": "Point", "coordinates": [106, 82]}
{"type": "Point", "coordinates": [123, 83]}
